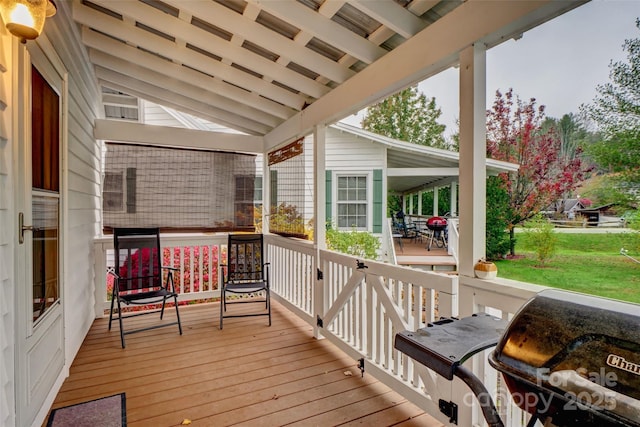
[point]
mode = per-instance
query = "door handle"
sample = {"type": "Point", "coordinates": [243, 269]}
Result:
{"type": "Point", "coordinates": [22, 228]}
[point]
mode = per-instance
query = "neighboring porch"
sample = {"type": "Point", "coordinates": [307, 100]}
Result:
{"type": "Point", "coordinates": [248, 374]}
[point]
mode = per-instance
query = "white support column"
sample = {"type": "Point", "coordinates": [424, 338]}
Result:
{"type": "Point", "coordinates": [435, 201]}
{"type": "Point", "coordinates": [453, 207]}
{"type": "Point", "coordinates": [472, 157]}
{"type": "Point", "coordinates": [319, 187]}
{"type": "Point", "coordinates": [420, 203]}
{"type": "Point", "coordinates": [410, 204]}
{"type": "Point", "coordinates": [320, 219]}
{"type": "Point", "coordinates": [266, 193]}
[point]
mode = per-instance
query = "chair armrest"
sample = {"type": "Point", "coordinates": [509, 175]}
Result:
{"type": "Point", "coordinates": [113, 273]}
{"type": "Point", "coordinates": [166, 267]}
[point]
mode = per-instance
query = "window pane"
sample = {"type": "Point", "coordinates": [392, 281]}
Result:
{"type": "Point", "coordinates": [257, 194]}
{"type": "Point", "coordinates": [46, 288]}
{"type": "Point", "coordinates": [112, 193]}
{"type": "Point", "coordinates": [45, 129]}
{"type": "Point", "coordinates": [352, 202]}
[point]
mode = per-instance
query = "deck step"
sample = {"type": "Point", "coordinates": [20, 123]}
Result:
{"type": "Point", "coordinates": [426, 260]}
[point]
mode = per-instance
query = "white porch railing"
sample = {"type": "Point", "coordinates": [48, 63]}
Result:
{"type": "Point", "coordinates": [501, 298]}
{"type": "Point", "coordinates": [358, 307]}
{"type": "Point", "coordinates": [197, 256]}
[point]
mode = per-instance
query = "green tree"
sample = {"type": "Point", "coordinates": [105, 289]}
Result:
{"type": "Point", "coordinates": [408, 116]}
{"type": "Point", "coordinates": [572, 132]}
{"type": "Point", "coordinates": [444, 201]}
{"type": "Point", "coordinates": [616, 112]}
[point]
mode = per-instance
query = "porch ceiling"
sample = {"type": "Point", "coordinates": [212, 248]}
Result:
{"type": "Point", "coordinates": [255, 66]}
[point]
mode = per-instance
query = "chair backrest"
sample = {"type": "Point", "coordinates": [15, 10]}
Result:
{"type": "Point", "coordinates": [138, 258]}
{"type": "Point", "coordinates": [245, 258]}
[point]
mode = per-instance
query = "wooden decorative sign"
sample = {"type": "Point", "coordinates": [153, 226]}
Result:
{"type": "Point", "coordinates": [287, 152]}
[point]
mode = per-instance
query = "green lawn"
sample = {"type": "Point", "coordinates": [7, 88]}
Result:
{"type": "Point", "coordinates": [588, 263]}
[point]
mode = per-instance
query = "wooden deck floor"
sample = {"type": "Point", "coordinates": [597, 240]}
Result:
{"type": "Point", "coordinates": [414, 252]}
{"type": "Point", "coordinates": [247, 374]}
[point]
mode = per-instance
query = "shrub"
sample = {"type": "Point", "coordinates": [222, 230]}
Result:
{"type": "Point", "coordinates": [540, 236]}
{"type": "Point", "coordinates": [359, 243]}
{"type": "Point", "coordinates": [497, 245]}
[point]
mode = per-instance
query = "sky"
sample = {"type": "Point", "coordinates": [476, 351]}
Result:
{"type": "Point", "coordinates": [559, 63]}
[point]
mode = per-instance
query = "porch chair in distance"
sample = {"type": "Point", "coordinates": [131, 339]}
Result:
{"type": "Point", "coordinates": [245, 273]}
{"type": "Point", "coordinates": [138, 277]}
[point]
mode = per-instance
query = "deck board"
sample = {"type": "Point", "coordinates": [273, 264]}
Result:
{"type": "Point", "coordinates": [247, 374]}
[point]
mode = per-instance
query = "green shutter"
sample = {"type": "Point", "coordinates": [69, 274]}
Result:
{"type": "Point", "coordinates": [328, 191]}
{"type": "Point", "coordinates": [377, 201]}
{"type": "Point", "coordinates": [273, 189]}
{"type": "Point", "coordinates": [131, 190]}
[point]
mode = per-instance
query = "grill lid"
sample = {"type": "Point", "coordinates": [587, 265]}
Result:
{"type": "Point", "coordinates": [577, 347]}
{"type": "Point", "coordinates": [436, 223]}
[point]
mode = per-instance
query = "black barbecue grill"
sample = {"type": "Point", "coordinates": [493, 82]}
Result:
{"type": "Point", "coordinates": [438, 227]}
{"type": "Point", "coordinates": [568, 359]}
{"type": "Point", "coordinates": [436, 223]}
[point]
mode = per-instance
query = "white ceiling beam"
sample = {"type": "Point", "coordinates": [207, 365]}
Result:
{"type": "Point", "coordinates": [244, 26]}
{"type": "Point", "coordinates": [430, 51]}
{"type": "Point", "coordinates": [391, 15]}
{"type": "Point", "coordinates": [117, 29]}
{"type": "Point", "coordinates": [177, 107]}
{"type": "Point", "coordinates": [423, 172]}
{"type": "Point", "coordinates": [324, 29]}
{"type": "Point", "coordinates": [444, 182]}
{"type": "Point", "coordinates": [419, 7]}
{"type": "Point", "coordinates": [102, 43]}
{"type": "Point", "coordinates": [330, 8]}
{"type": "Point", "coordinates": [206, 41]}
{"type": "Point", "coordinates": [170, 84]}
{"type": "Point", "coordinates": [115, 130]}
{"type": "Point", "coordinates": [142, 88]}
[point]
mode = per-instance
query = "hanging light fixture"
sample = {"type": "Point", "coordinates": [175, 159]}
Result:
{"type": "Point", "coordinates": [25, 18]}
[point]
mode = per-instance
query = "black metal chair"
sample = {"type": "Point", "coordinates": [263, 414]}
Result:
{"type": "Point", "coordinates": [408, 230]}
{"type": "Point", "coordinates": [245, 273]}
{"type": "Point", "coordinates": [138, 277]}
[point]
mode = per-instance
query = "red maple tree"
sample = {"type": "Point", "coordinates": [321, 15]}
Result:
{"type": "Point", "coordinates": [515, 134]}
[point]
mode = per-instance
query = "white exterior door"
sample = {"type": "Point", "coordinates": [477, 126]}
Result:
{"type": "Point", "coordinates": [40, 350]}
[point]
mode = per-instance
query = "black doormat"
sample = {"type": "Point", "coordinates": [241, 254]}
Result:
{"type": "Point", "coordinates": [110, 411]}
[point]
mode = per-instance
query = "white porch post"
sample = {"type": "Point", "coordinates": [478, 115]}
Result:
{"type": "Point", "coordinates": [320, 217]}
{"type": "Point", "coordinates": [419, 202]}
{"type": "Point", "coordinates": [472, 157]}
{"type": "Point", "coordinates": [435, 201]}
{"type": "Point", "coordinates": [266, 193]}
{"type": "Point", "coordinates": [319, 187]}
{"type": "Point", "coordinates": [453, 207]}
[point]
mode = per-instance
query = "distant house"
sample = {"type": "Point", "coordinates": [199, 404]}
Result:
{"type": "Point", "coordinates": [567, 208]}
{"type": "Point", "coordinates": [598, 214]}
{"type": "Point", "coordinates": [361, 169]}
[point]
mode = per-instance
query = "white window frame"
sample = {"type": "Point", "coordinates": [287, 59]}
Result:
{"type": "Point", "coordinates": [258, 202]}
{"type": "Point", "coordinates": [368, 202]}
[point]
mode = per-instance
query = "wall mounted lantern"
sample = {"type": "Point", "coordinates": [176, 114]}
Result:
{"type": "Point", "coordinates": [25, 18]}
